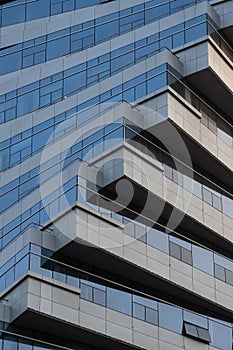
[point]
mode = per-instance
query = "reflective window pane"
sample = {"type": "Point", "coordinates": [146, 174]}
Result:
{"type": "Point", "coordinates": [190, 330]}
{"type": "Point", "coordinates": [152, 316]}
{"type": "Point", "coordinates": [203, 259]}
{"type": "Point", "coordinates": [196, 319]}
{"type": "Point", "coordinates": [9, 343]}
{"type": "Point", "coordinates": [12, 16]}
{"type": "Point", "coordinates": [37, 9]}
{"type": "Point", "coordinates": [220, 272]}
{"type": "Point", "coordinates": [221, 336]}
{"type": "Point", "coordinates": [119, 301]}
{"type": "Point", "coordinates": [186, 256]}
{"type": "Point", "coordinates": [170, 318]}
{"type": "Point", "coordinates": [25, 345]}
{"type": "Point", "coordinates": [86, 292]}
{"type": "Point", "coordinates": [228, 206]}
{"type": "Point", "coordinates": [99, 297]}
{"type": "Point", "coordinates": [139, 311]}
{"type": "Point", "coordinates": [229, 277]}
{"type": "Point", "coordinates": [203, 334]}
{"type": "Point", "coordinates": [158, 239]}
{"type": "Point", "coordinates": [175, 250]}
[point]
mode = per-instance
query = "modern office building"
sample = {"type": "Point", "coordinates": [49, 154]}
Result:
{"type": "Point", "coordinates": [116, 175]}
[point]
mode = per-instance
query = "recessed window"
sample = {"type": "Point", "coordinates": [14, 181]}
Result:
{"type": "Point", "coordinates": [175, 250]}
{"type": "Point", "coordinates": [168, 171]}
{"type": "Point", "coordinates": [223, 274]}
{"type": "Point", "coordinates": [197, 332]}
{"type": "Point", "coordinates": [186, 256]}
{"type": "Point", "coordinates": [207, 196]}
{"type": "Point", "coordinates": [217, 203]}
{"type": "Point", "coordinates": [86, 292]}
{"type": "Point", "coordinates": [139, 311]}
{"type": "Point", "coordinates": [191, 330]}
{"type": "Point", "coordinates": [220, 272]}
{"type": "Point", "coordinates": [119, 300]}
{"type": "Point", "coordinates": [151, 316]}
{"type": "Point", "coordinates": [229, 277]}
{"type": "Point", "coordinates": [203, 334]}
{"type": "Point", "coordinates": [180, 253]}
{"type": "Point", "coordinates": [99, 297]}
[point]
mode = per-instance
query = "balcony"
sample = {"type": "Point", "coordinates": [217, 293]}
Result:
{"type": "Point", "coordinates": [225, 11]}
{"type": "Point", "coordinates": [145, 254]}
{"type": "Point", "coordinates": [172, 200]}
{"type": "Point", "coordinates": [209, 70]}
{"type": "Point", "coordinates": [124, 134]}
{"type": "Point", "coordinates": [207, 136]}
{"type": "Point", "coordinates": [122, 160]}
{"type": "Point", "coordinates": [53, 307]}
{"type": "Point", "coordinates": [107, 316]}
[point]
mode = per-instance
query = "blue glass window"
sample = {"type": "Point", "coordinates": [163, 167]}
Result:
{"type": "Point", "coordinates": [57, 48]}
{"type": "Point", "coordinates": [170, 318]}
{"type": "Point", "coordinates": [10, 62]}
{"type": "Point", "coordinates": [25, 345]}
{"type": "Point", "coordinates": [9, 198]}
{"type": "Point", "coordinates": [107, 30]}
{"type": "Point", "coordinates": [221, 336]}
{"type": "Point", "coordinates": [195, 319]}
{"type": "Point", "coordinates": [40, 139]}
{"type": "Point", "coordinates": [158, 239]}
{"type": "Point", "coordinates": [37, 9]}
{"type": "Point", "coordinates": [122, 61]}
{"type": "Point", "coordinates": [119, 301]}
{"type": "Point", "coordinates": [156, 12]}
{"type": "Point", "coordinates": [4, 159]}
{"type": "Point", "coordinates": [99, 297]}
{"type": "Point", "coordinates": [9, 343]}
{"type": "Point", "coordinates": [228, 206]}
{"type": "Point", "coordinates": [203, 259]}
{"type": "Point", "coordinates": [21, 267]}
{"type": "Point", "coordinates": [157, 82]}
{"type": "Point", "coordinates": [86, 292]}
{"type": "Point", "coordinates": [12, 15]}
{"type": "Point", "coordinates": [195, 32]}
{"type": "Point", "coordinates": [28, 102]}
{"type": "Point", "coordinates": [178, 39]}
{"type": "Point", "coordinates": [74, 82]}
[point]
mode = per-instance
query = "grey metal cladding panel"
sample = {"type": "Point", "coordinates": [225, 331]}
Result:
{"type": "Point", "coordinates": [225, 11]}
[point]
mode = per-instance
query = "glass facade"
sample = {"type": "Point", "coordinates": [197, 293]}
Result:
{"type": "Point", "coordinates": [66, 65]}
{"type": "Point", "coordinates": [58, 44]}
{"type": "Point", "coordinates": [117, 132]}
{"type": "Point", "coordinates": [19, 11]}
